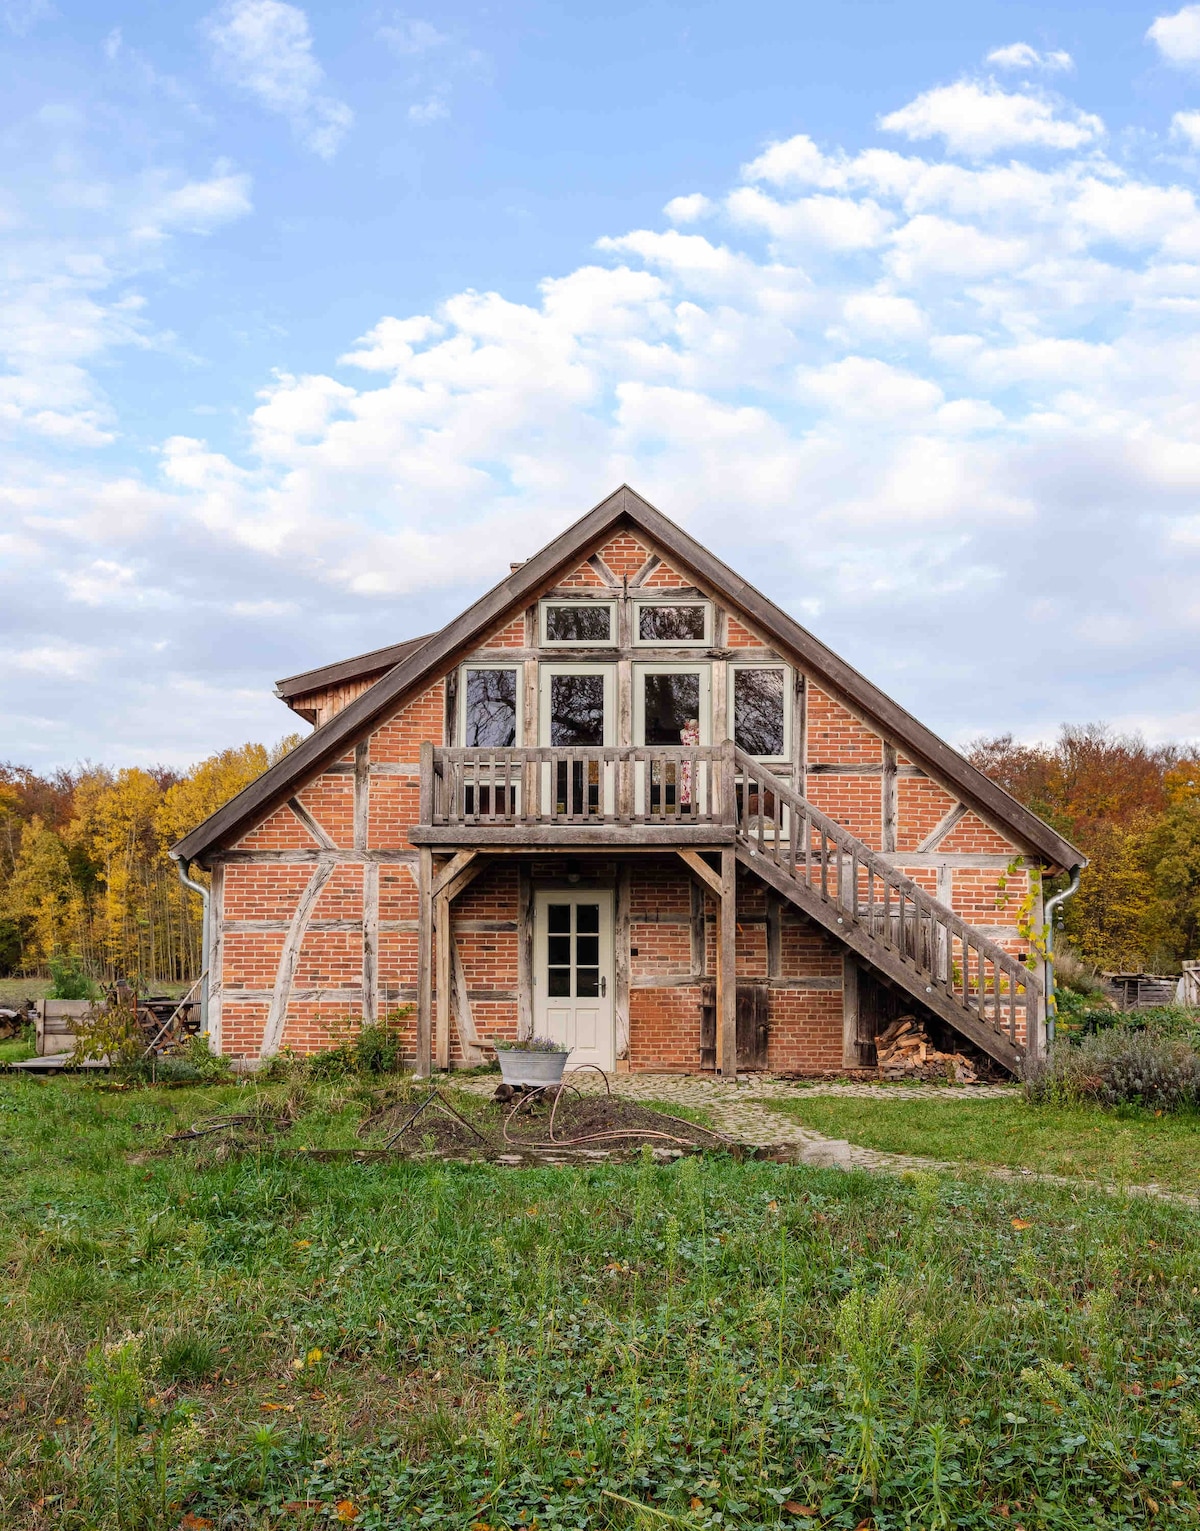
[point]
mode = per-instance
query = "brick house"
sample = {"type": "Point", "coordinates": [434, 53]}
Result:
{"type": "Point", "coordinates": [626, 801]}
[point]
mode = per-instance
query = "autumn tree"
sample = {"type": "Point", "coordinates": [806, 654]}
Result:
{"type": "Point", "coordinates": [94, 879]}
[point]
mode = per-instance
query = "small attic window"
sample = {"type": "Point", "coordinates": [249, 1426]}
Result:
{"type": "Point", "coordinates": [578, 624]}
{"type": "Point", "coordinates": [675, 623]}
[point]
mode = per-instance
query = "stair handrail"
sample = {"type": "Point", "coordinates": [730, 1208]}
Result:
{"type": "Point", "coordinates": [849, 847]}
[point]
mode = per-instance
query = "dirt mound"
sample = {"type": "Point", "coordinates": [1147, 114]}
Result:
{"type": "Point", "coordinates": [516, 1123]}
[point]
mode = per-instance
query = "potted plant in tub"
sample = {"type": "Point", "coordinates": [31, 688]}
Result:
{"type": "Point", "coordinates": [531, 1060]}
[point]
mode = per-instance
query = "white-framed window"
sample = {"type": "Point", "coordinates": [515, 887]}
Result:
{"type": "Point", "coordinates": [760, 709]}
{"type": "Point", "coordinates": [489, 705]}
{"type": "Point", "coordinates": [576, 704]}
{"type": "Point", "coordinates": [673, 623]}
{"type": "Point", "coordinates": [578, 624]}
{"type": "Point", "coordinates": [672, 703]}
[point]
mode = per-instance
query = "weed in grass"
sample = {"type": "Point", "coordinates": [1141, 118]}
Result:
{"type": "Point", "coordinates": [187, 1357]}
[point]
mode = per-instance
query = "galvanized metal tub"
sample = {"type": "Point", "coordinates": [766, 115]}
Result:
{"type": "Point", "coordinates": [529, 1068]}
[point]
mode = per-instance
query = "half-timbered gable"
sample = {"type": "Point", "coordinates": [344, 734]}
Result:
{"type": "Point", "coordinates": [626, 800]}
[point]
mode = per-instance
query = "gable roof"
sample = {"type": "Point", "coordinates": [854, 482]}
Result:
{"type": "Point", "coordinates": [427, 659]}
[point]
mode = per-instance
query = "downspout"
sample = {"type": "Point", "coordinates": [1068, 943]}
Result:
{"type": "Point", "coordinates": [1053, 905]}
{"type": "Point", "coordinates": [198, 887]}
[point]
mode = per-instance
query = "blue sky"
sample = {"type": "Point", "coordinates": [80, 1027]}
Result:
{"type": "Point", "coordinates": [314, 318]}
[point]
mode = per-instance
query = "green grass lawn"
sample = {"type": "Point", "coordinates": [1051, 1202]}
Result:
{"type": "Point", "coordinates": [1132, 1147]}
{"type": "Point", "coordinates": [15, 991]}
{"type": "Point", "coordinates": [700, 1344]}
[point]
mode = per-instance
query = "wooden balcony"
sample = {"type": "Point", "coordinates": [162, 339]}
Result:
{"type": "Point", "coordinates": [635, 795]}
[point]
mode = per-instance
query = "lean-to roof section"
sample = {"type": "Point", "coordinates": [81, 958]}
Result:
{"type": "Point", "coordinates": [375, 662]}
{"type": "Point", "coordinates": [437, 653]}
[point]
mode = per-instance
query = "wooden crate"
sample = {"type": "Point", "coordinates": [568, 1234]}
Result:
{"type": "Point", "coordinates": [55, 1024]}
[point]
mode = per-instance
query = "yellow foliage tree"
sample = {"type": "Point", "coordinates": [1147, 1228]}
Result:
{"type": "Point", "coordinates": [41, 894]}
{"type": "Point", "coordinates": [1106, 920]}
{"type": "Point", "coordinates": [207, 787]}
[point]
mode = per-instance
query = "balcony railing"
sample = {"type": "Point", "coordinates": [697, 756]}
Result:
{"type": "Point", "coordinates": [621, 786]}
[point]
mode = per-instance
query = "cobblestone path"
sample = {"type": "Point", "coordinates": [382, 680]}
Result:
{"type": "Point", "coordinates": [739, 1109]}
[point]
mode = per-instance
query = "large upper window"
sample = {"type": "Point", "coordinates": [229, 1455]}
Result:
{"type": "Point", "coordinates": [490, 707]}
{"type": "Point", "coordinates": [579, 624]}
{"type": "Point", "coordinates": [672, 623]}
{"type": "Point", "coordinates": [761, 717]}
{"type": "Point", "coordinates": [576, 705]}
{"type": "Point", "coordinates": [671, 704]}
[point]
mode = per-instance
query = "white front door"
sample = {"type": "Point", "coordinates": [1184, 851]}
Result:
{"type": "Point", "coordinates": [572, 973]}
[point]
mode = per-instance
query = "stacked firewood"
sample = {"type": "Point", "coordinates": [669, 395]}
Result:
{"type": "Point", "coordinates": [904, 1051]}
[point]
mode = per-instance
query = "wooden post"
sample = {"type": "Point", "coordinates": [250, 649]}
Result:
{"type": "Point", "coordinates": [424, 954]}
{"type": "Point", "coordinates": [851, 1051]}
{"type": "Point", "coordinates": [524, 952]}
{"type": "Point", "coordinates": [362, 794]}
{"type": "Point", "coordinates": [216, 954]}
{"type": "Point", "coordinates": [726, 792]}
{"type": "Point", "coordinates": [621, 976]}
{"type": "Point", "coordinates": [890, 794]}
{"type": "Point", "coordinates": [370, 940]}
{"type": "Point", "coordinates": [425, 810]}
{"type": "Point", "coordinates": [441, 925]}
{"type": "Point", "coordinates": [727, 967]}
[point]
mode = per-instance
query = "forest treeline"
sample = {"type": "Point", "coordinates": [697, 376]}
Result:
{"type": "Point", "coordinates": [1134, 810]}
{"type": "Point", "coordinates": [84, 870]}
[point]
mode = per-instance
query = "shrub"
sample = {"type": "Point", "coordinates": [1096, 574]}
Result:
{"type": "Point", "coordinates": [194, 1063]}
{"type": "Point", "coordinates": [69, 981]}
{"type": "Point", "coordinates": [111, 1032]}
{"type": "Point", "coordinates": [370, 1049]}
{"type": "Point", "coordinates": [1116, 1067]}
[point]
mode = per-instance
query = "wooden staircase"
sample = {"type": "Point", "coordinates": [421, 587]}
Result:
{"type": "Point", "coordinates": [963, 977]}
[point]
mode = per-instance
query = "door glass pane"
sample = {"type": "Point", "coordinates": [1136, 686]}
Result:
{"type": "Point", "coordinates": [558, 985]}
{"type": "Point", "coordinates": [587, 983]}
{"type": "Point", "coordinates": [577, 709]}
{"type": "Point", "coordinates": [587, 951]}
{"type": "Point", "coordinates": [580, 622]}
{"type": "Point", "coordinates": [758, 716]}
{"type": "Point", "coordinates": [672, 706]}
{"type": "Point", "coordinates": [559, 951]}
{"type": "Point", "coordinates": [558, 917]}
{"type": "Point", "coordinates": [490, 707]}
{"type": "Point", "coordinates": [667, 624]}
{"type": "Point", "coordinates": [587, 917]}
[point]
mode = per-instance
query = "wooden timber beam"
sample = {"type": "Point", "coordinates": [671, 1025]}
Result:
{"type": "Point", "coordinates": [425, 964]}
{"type": "Point", "coordinates": [697, 864]}
{"type": "Point", "coordinates": [445, 888]}
{"type": "Point", "coordinates": [460, 862]}
{"type": "Point", "coordinates": [727, 968]}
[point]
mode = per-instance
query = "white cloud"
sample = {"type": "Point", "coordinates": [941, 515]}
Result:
{"type": "Point", "coordinates": [948, 395]}
{"type": "Point", "coordinates": [978, 119]}
{"type": "Point", "coordinates": [1177, 37]}
{"type": "Point", "coordinates": [410, 36]}
{"type": "Point", "coordinates": [1024, 56]}
{"type": "Point", "coordinates": [432, 109]}
{"type": "Point", "coordinates": [1186, 125]}
{"type": "Point", "coordinates": [265, 48]}
{"type": "Point", "coordinates": [688, 209]}
{"type": "Point", "coordinates": [21, 16]}
{"type": "Point", "coordinates": [200, 207]}
{"type": "Point", "coordinates": [837, 223]}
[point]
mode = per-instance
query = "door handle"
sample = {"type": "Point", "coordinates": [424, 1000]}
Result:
{"type": "Point", "coordinates": [603, 986]}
